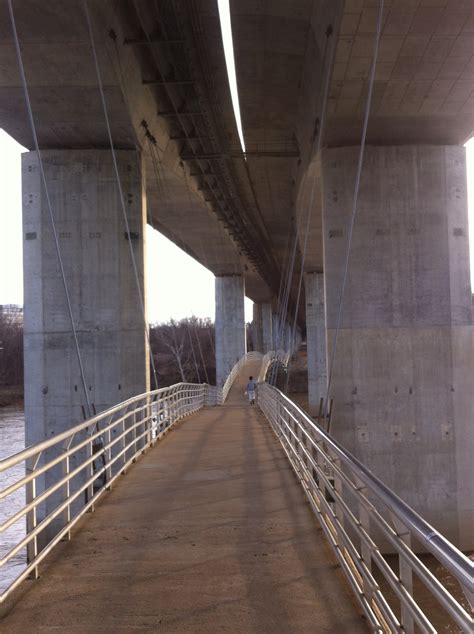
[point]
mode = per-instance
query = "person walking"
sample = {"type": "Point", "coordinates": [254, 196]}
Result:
{"type": "Point", "coordinates": [251, 390]}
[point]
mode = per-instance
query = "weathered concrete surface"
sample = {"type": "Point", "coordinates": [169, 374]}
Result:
{"type": "Point", "coordinates": [231, 339]}
{"type": "Point", "coordinates": [316, 339]}
{"type": "Point", "coordinates": [267, 326]}
{"type": "Point", "coordinates": [275, 331]}
{"type": "Point", "coordinates": [403, 378]}
{"type": "Point", "coordinates": [104, 297]}
{"type": "Point", "coordinates": [209, 532]}
{"type": "Point", "coordinates": [68, 111]}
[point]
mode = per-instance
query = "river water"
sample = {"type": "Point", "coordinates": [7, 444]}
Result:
{"type": "Point", "coordinates": [12, 440]}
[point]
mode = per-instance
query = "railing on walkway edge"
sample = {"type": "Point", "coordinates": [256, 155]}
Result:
{"type": "Point", "coordinates": [270, 357]}
{"type": "Point", "coordinates": [249, 356]}
{"type": "Point", "coordinates": [358, 513]}
{"type": "Point", "coordinates": [65, 475]}
{"type": "Point", "coordinates": [266, 359]}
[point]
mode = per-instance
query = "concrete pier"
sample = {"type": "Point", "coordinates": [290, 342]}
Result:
{"type": "Point", "coordinates": [231, 340]}
{"type": "Point", "coordinates": [266, 326]}
{"type": "Point", "coordinates": [262, 326]}
{"type": "Point", "coordinates": [402, 382]}
{"type": "Point", "coordinates": [316, 339]}
{"type": "Point", "coordinates": [95, 251]}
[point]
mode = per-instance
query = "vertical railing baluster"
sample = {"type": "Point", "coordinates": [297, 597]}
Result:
{"type": "Point", "coordinates": [405, 575]}
{"type": "Point", "coordinates": [134, 435]}
{"type": "Point", "coordinates": [90, 474]}
{"type": "Point", "coordinates": [108, 456]}
{"type": "Point", "coordinates": [149, 437]}
{"type": "Point", "coordinates": [31, 516]}
{"type": "Point", "coordinates": [365, 550]}
{"type": "Point", "coordinates": [66, 464]}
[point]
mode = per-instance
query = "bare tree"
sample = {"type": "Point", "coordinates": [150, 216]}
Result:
{"type": "Point", "coordinates": [184, 351]}
{"type": "Point", "coordinates": [174, 340]}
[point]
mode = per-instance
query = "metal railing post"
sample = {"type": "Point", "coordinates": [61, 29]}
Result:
{"type": "Point", "coordinates": [405, 575]}
{"type": "Point", "coordinates": [149, 434]}
{"type": "Point", "coordinates": [134, 435]}
{"type": "Point", "coordinates": [66, 464]}
{"type": "Point", "coordinates": [108, 458]}
{"type": "Point", "coordinates": [31, 516]}
{"type": "Point", "coordinates": [90, 474]}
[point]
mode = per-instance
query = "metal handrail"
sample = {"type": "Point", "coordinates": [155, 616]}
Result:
{"type": "Point", "coordinates": [270, 357]}
{"type": "Point", "coordinates": [83, 462]}
{"type": "Point", "coordinates": [352, 506]}
{"type": "Point", "coordinates": [116, 437]}
{"type": "Point", "coordinates": [246, 358]}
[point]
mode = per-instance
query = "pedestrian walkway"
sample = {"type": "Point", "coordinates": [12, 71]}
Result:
{"type": "Point", "coordinates": [209, 532]}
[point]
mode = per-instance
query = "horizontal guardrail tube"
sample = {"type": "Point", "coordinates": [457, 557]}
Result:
{"type": "Point", "coordinates": [63, 477]}
{"type": "Point", "coordinates": [73, 469]}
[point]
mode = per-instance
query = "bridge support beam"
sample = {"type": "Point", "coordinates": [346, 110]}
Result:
{"type": "Point", "coordinates": [316, 340]}
{"type": "Point", "coordinates": [231, 340]}
{"type": "Point", "coordinates": [402, 380]}
{"type": "Point", "coordinates": [95, 250]}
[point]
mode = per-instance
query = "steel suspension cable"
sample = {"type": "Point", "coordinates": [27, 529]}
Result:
{"type": "Point", "coordinates": [284, 305]}
{"type": "Point", "coordinates": [322, 124]}
{"type": "Point", "coordinates": [193, 351]}
{"type": "Point", "coordinates": [354, 201]}
{"type": "Point", "coordinates": [49, 206]}
{"type": "Point", "coordinates": [201, 354]}
{"type": "Point", "coordinates": [119, 186]}
{"type": "Point", "coordinates": [155, 163]}
{"type": "Point", "coordinates": [206, 261]}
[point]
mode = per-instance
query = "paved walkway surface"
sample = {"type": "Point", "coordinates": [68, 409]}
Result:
{"type": "Point", "coordinates": [208, 532]}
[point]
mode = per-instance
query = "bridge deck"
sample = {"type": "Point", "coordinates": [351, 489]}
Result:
{"type": "Point", "coordinates": [209, 532]}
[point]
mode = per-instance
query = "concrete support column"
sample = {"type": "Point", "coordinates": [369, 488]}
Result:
{"type": "Point", "coordinates": [287, 332]}
{"type": "Point", "coordinates": [262, 327]}
{"type": "Point", "coordinates": [402, 381]}
{"type": "Point", "coordinates": [316, 341]}
{"type": "Point", "coordinates": [257, 329]}
{"type": "Point", "coordinates": [231, 342]}
{"type": "Point", "coordinates": [267, 327]}
{"type": "Point", "coordinates": [95, 251]}
{"type": "Point", "coordinates": [275, 332]}
{"type": "Point", "coordinates": [298, 339]}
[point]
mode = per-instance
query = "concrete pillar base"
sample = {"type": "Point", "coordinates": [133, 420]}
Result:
{"type": "Point", "coordinates": [402, 381]}
{"type": "Point", "coordinates": [231, 342]}
{"type": "Point", "coordinates": [267, 327]}
{"type": "Point", "coordinates": [105, 304]}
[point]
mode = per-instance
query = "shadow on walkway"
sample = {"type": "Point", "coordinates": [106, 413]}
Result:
{"type": "Point", "coordinates": [209, 532]}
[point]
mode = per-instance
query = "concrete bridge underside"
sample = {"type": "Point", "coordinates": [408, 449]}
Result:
{"type": "Point", "coordinates": [402, 380]}
{"type": "Point", "coordinates": [209, 532]}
